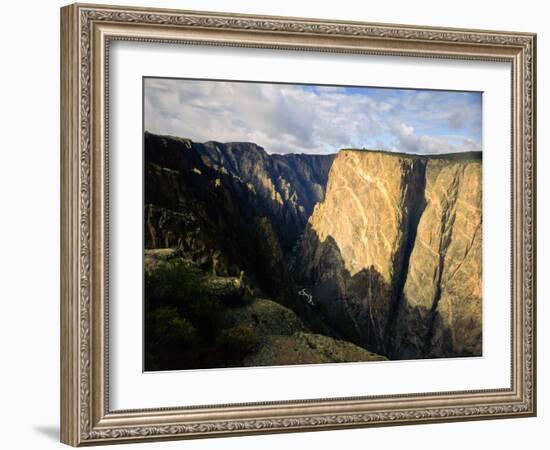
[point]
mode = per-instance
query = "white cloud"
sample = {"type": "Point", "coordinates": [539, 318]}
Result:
{"type": "Point", "coordinates": [291, 118]}
{"type": "Point", "coordinates": [410, 142]}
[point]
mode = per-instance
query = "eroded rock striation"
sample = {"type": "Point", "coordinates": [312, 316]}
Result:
{"type": "Point", "coordinates": [393, 253]}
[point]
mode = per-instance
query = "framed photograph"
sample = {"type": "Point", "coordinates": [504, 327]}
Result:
{"type": "Point", "coordinates": [278, 224]}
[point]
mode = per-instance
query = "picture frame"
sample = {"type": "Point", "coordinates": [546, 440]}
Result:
{"type": "Point", "coordinates": [87, 32]}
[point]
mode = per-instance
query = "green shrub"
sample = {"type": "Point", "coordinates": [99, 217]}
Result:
{"type": "Point", "coordinates": [170, 327]}
{"type": "Point", "coordinates": [183, 326]}
{"type": "Point", "coordinates": [175, 284]}
{"type": "Point", "coordinates": [238, 341]}
{"type": "Point", "coordinates": [170, 340]}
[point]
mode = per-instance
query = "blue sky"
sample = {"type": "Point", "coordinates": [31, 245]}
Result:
{"type": "Point", "coordinates": [285, 118]}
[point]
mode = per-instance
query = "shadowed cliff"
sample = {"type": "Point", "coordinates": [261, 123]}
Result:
{"type": "Point", "coordinates": [285, 187]}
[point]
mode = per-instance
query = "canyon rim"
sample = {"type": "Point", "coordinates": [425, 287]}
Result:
{"type": "Point", "coordinates": [293, 224]}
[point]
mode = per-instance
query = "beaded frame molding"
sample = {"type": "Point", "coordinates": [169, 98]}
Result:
{"type": "Point", "coordinates": [86, 33]}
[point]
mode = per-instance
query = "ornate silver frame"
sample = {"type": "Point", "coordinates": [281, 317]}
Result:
{"type": "Point", "coordinates": [86, 31]}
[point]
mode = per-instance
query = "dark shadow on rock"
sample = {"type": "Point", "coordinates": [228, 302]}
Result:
{"type": "Point", "coordinates": [415, 202]}
{"type": "Point", "coordinates": [362, 307]}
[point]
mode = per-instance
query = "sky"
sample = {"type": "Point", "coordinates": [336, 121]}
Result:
{"type": "Point", "coordinates": [294, 118]}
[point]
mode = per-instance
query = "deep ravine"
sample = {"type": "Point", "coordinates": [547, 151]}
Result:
{"type": "Point", "coordinates": [379, 249]}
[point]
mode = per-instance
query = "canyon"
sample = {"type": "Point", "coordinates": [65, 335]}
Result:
{"type": "Point", "coordinates": [376, 255]}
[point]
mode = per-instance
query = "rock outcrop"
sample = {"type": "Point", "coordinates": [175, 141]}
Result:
{"type": "Point", "coordinates": [307, 348]}
{"type": "Point", "coordinates": [399, 272]}
{"type": "Point", "coordinates": [285, 340]}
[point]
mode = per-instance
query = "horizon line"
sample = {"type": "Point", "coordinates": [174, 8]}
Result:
{"type": "Point", "coordinates": [342, 149]}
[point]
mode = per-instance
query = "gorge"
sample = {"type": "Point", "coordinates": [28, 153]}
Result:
{"type": "Point", "coordinates": [357, 256]}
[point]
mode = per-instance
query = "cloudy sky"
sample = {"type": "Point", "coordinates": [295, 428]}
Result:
{"type": "Point", "coordinates": [292, 118]}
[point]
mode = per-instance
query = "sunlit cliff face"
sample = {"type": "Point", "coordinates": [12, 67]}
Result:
{"type": "Point", "coordinates": [404, 234]}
